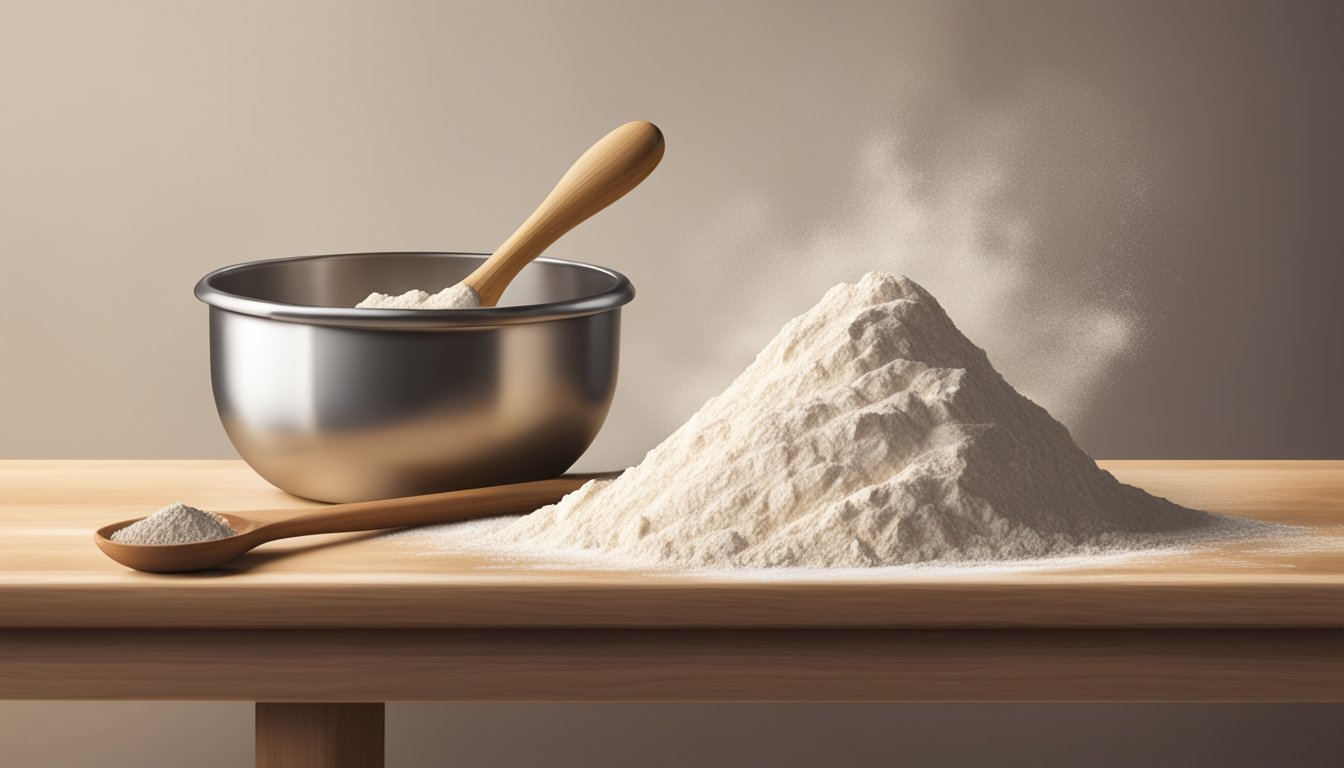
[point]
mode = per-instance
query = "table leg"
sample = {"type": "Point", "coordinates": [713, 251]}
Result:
{"type": "Point", "coordinates": [319, 735]}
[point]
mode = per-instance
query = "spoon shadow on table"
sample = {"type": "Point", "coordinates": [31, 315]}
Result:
{"type": "Point", "coordinates": [447, 507]}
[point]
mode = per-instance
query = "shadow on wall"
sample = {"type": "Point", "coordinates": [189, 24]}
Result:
{"type": "Point", "coordinates": [219, 735]}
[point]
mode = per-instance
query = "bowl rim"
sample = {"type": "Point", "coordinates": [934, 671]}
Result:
{"type": "Point", "coordinates": [620, 293]}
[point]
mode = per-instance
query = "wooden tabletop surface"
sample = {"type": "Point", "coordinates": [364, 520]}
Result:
{"type": "Point", "coordinates": [52, 576]}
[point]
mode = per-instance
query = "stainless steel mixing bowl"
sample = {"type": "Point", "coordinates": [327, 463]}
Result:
{"type": "Point", "coordinates": [334, 403]}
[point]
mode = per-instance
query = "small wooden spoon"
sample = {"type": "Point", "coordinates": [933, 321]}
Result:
{"type": "Point", "coordinates": [610, 168]}
{"type": "Point", "coordinates": [447, 507]}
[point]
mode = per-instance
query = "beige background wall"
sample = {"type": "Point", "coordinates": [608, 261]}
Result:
{"type": "Point", "coordinates": [1132, 207]}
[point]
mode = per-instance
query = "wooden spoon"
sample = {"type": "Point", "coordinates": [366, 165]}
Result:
{"type": "Point", "coordinates": [447, 507]}
{"type": "Point", "coordinates": [610, 168]}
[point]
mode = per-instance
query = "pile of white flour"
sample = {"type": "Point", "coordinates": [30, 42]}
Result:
{"type": "Point", "coordinates": [869, 432]}
{"type": "Point", "coordinates": [176, 524]}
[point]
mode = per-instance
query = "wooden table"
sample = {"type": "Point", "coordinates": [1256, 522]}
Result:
{"type": "Point", "coordinates": [311, 627]}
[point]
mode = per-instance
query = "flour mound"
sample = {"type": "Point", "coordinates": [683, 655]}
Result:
{"type": "Point", "coordinates": [869, 432]}
{"type": "Point", "coordinates": [453, 297]}
{"type": "Point", "coordinates": [176, 524]}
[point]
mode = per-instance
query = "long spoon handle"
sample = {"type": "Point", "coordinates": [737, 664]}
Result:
{"type": "Point", "coordinates": [610, 168]}
{"type": "Point", "coordinates": [447, 507]}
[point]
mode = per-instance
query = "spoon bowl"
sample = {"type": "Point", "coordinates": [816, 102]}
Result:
{"type": "Point", "coordinates": [174, 558]}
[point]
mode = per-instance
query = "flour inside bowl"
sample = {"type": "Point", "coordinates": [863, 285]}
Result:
{"type": "Point", "coordinates": [453, 297]}
{"type": "Point", "coordinates": [869, 432]}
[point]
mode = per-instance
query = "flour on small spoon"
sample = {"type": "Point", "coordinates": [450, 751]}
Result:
{"type": "Point", "coordinates": [175, 524]}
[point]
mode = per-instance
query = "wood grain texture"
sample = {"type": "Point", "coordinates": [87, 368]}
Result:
{"type": "Point", "coordinates": [52, 576]}
{"type": "Point", "coordinates": [676, 665]}
{"type": "Point", "coordinates": [306, 735]}
{"type": "Point", "coordinates": [354, 617]}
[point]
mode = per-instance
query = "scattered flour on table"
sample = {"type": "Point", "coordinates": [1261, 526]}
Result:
{"type": "Point", "coordinates": [453, 297]}
{"type": "Point", "coordinates": [176, 524]}
{"type": "Point", "coordinates": [870, 432]}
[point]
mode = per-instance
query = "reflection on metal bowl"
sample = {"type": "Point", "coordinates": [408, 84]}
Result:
{"type": "Point", "coordinates": [339, 404]}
